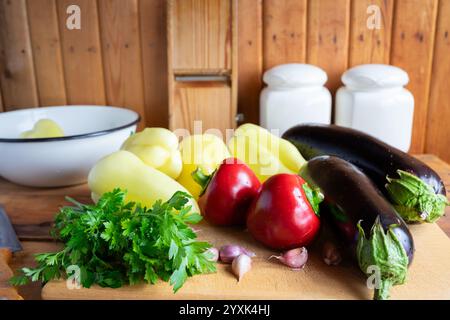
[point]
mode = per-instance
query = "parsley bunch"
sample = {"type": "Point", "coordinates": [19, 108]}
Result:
{"type": "Point", "coordinates": [116, 243]}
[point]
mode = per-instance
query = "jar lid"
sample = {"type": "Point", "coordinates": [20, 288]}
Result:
{"type": "Point", "coordinates": [371, 76]}
{"type": "Point", "coordinates": [293, 75]}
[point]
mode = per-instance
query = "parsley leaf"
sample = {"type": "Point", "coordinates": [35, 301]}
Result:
{"type": "Point", "coordinates": [114, 243]}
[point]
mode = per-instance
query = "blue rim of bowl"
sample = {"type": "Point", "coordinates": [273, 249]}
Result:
{"type": "Point", "coordinates": [77, 136]}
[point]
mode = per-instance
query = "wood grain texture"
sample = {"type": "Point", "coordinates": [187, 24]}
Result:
{"type": "Point", "coordinates": [284, 31]}
{"type": "Point", "coordinates": [33, 209]}
{"type": "Point", "coordinates": [437, 133]}
{"type": "Point", "coordinates": [34, 232]}
{"type": "Point", "coordinates": [269, 279]}
{"type": "Point", "coordinates": [1, 100]}
{"type": "Point", "coordinates": [234, 63]}
{"type": "Point", "coordinates": [250, 55]}
{"type": "Point", "coordinates": [328, 37]}
{"type": "Point", "coordinates": [120, 37]}
{"type": "Point", "coordinates": [36, 207]}
{"type": "Point", "coordinates": [201, 34]}
{"type": "Point", "coordinates": [25, 258]}
{"type": "Point", "coordinates": [370, 45]}
{"type": "Point", "coordinates": [5, 270]}
{"type": "Point", "coordinates": [46, 44]}
{"type": "Point", "coordinates": [17, 74]}
{"type": "Point", "coordinates": [6, 290]}
{"type": "Point", "coordinates": [202, 40]}
{"type": "Point", "coordinates": [270, 32]}
{"type": "Point", "coordinates": [170, 71]}
{"type": "Point", "coordinates": [82, 56]}
{"type": "Point", "coordinates": [154, 61]}
{"type": "Point", "coordinates": [209, 102]}
{"type": "Point", "coordinates": [9, 294]}
{"type": "Point", "coordinates": [201, 72]}
{"type": "Point", "coordinates": [412, 50]}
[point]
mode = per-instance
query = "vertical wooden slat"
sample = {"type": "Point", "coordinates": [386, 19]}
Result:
{"type": "Point", "coordinates": [213, 25]}
{"type": "Point", "coordinates": [119, 26]}
{"type": "Point", "coordinates": [284, 31]}
{"type": "Point", "coordinates": [17, 71]}
{"type": "Point", "coordinates": [412, 50]}
{"type": "Point", "coordinates": [250, 55]}
{"type": "Point", "coordinates": [170, 77]}
{"type": "Point", "coordinates": [370, 45]}
{"type": "Point", "coordinates": [81, 50]}
{"type": "Point", "coordinates": [209, 102]}
{"type": "Point", "coordinates": [1, 101]}
{"type": "Point", "coordinates": [201, 35]}
{"type": "Point", "coordinates": [234, 64]}
{"type": "Point", "coordinates": [45, 42]}
{"type": "Point", "coordinates": [328, 37]}
{"type": "Point", "coordinates": [154, 61]}
{"type": "Point", "coordinates": [437, 135]}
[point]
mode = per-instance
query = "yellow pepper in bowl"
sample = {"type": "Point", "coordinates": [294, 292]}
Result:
{"type": "Point", "coordinates": [44, 128]}
{"type": "Point", "coordinates": [157, 148]}
{"type": "Point", "coordinates": [265, 153]}
{"type": "Point", "coordinates": [144, 184]}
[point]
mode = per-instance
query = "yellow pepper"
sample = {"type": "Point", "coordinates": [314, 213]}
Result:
{"type": "Point", "coordinates": [44, 128]}
{"type": "Point", "coordinates": [265, 153]}
{"type": "Point", "coordinates": [157, 148]}
{"type": "Point", "coordinates": [143, 183]}
{"type": "Point", "coordinates": [205, 151]}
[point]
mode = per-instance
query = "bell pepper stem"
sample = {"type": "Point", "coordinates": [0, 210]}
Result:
{"type": "Point", "coordinates": [314, 196]}
{"type": "Point", "coordinates": [201, 179]}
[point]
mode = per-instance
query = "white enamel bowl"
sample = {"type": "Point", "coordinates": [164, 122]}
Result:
{"type": "Point", "coordinates": [91, 132]}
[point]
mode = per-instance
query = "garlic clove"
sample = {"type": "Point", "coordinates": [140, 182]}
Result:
{"type": "Point", "coordinates": [229, 252]}
{"type": "Point", "coordinates": [294, 258]}
{"type": "Point", "coordinates": [251, 254]}
{"type": "Point", "coordinates": [331, 254]}
{"type": "Point", "coordinates": [241, 265]}
{"type": "Point", "coordinates": [214, 254]}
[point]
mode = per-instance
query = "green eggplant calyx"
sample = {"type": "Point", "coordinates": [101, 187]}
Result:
{"type": "Point", "coordinates": [414, 199]}
{"type": "Point", "coordinates": [382, 258]}
{"type": "Point", "coordinates": [314, 196]}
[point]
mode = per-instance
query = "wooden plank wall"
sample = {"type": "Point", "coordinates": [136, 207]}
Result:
{"type": "Point", "coordinates": [119, 55]}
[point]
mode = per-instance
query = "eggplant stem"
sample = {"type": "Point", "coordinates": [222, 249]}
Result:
{"type": "Point", "coordinates": [382, 293]}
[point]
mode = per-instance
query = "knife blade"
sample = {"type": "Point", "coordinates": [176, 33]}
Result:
{"type": "Point", "coordinates": [8, 237]}
{"type": "Point", "coordinates": [8, 245]}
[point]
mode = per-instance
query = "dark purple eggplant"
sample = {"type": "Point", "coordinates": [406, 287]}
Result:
{"type": "Point", "coordinates": [416, 191]}
{"type": "Point", "coordinates": [358, 208]}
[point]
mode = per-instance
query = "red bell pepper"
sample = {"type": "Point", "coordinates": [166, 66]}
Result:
{"type": "Point", "coordinates": [285, 213]}
{"type": "Point", "coordinates": [227, 193]}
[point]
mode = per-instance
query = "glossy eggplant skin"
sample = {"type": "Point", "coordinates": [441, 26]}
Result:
{"type": "Point", "coordinates": [347, 188]}
{"type": "Point", "coordinates": [374, 157]}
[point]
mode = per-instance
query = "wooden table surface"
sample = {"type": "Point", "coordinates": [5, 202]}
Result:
{"type": "Point", "coordinates": [31, 211]}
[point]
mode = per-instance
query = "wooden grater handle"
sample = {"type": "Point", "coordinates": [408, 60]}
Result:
{"type": "Point", "coordinates": [6, 290]}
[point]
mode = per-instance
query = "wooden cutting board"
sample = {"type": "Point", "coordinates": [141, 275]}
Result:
{"type": "Point", "coordinates": [428, 277]}
{"type": "Point", "coordinates": [31, 210]}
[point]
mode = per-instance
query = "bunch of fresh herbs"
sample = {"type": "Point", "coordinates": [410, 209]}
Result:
{"type": "Point", "coordinates": [114, 243]}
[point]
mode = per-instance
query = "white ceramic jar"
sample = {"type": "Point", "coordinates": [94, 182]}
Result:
{"type": "Point", "coordinates": [294, 94]}
{"type": "Point", "coordinates": [374, 101]}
